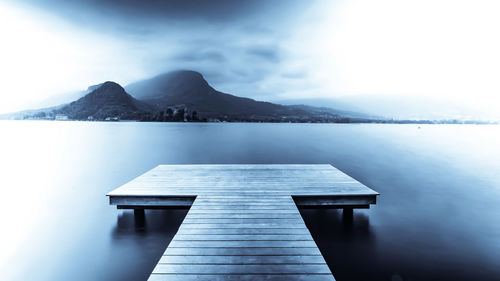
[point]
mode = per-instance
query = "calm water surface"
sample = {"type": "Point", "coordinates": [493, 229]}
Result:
{"type": "Point", "coordinates": [438, 216]}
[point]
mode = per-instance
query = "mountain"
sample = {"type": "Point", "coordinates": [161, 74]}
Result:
{"type": "Point", "coordinates": [105, 100]}
{"type": "Point", "coordinates": [171, 88]}
{"type": "Point", "coordinates": [322, 108]}
{"type": "Point", "coordinates": [401, 107]}
{"type": "Point", "coordinates": [180, 96]}
{"type": "Point", "coordinates": [190, 89]}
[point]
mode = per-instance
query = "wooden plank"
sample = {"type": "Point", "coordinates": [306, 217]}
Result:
{"type": "Point", "coordinates": [242, 260]}
{"type": "Point", "coordinates": [240, 225]}
{"type": "Point", "coordinates": [237, 198]}
{"type": "Point", "coordinates": [208, 277]}
{"type": "Point", "coordinates": [242, 231]}
{"type": "Point", "coordinates": [245, 220]}
{"type": "Point", "coordinates": [245, 207]}
{"type": "Point", "coordinates": [230, 204]}
{"type": "Point", "coordinates": [241, 269]}
{"type": "Point", "coordinates": [265, 215]}
{"type": "Point", "coordinates": [244, 211]}
{"type": "Point", "coordinates": [240, 237]}
{"type": "Point", "coordinates": [335, 200]}
{"type": "Point", "coordinates": [218, 251]}
{"type": "Point", "coordinates": [241, 244]}
{"type": "Point", "coordinates": [250, 192]}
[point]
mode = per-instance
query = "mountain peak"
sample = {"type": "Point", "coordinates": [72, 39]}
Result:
{"type": "Point", "coordinates": [106, 85]}
{"type": "Point", "coordinates": [109, 90]}
{"type": "Point", "coordinates": [179, 76]}
{"type": "Point", "coordinates": [185, 74]}
{"type": "Point", "coordinates": [108, 99]}
{"type": "Point", "coordinates": [174, 86]}
{"type": "Point", "coordinates": [110, 85]}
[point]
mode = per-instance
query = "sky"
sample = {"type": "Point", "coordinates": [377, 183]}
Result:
{"type": "Point", "coordinates": [263, 49]}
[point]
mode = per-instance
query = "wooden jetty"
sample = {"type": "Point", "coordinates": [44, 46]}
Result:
{"type": "Point", "coordinates": [243, 222]}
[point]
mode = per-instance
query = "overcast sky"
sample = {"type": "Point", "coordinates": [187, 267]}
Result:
{"type": "Point", "coordinates": [266, 49]}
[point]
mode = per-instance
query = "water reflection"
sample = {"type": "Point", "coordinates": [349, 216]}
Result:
{"type": "Point", "coordinates": [138, 240]}
{"type": "Point", "coordinates": [354, 251]}
{"type": "Point", "coordinates": [346, 241]}
{"type": "Point", "coordinates": [139, 218]}
{"type": "Point", "coordinates": [130, 223]}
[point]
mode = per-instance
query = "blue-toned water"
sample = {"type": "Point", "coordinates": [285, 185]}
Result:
{"type": "Point", "coordinates": [438, 216]}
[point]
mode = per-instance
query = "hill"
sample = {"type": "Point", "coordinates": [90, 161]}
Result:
{"type": "Point", "coordinates": [106, 100]}
{"type": "Point", "coordinates": [180, 96]}
{"type": "Point", "coordinates": [190, 89]}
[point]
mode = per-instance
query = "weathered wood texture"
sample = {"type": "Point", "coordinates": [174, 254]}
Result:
{"type": "Point", "coordinates": [243, 245]}
{"type": "Point", "coordinates": [243, 223]}
{"type": "Point", "coordinates": [178, 186]}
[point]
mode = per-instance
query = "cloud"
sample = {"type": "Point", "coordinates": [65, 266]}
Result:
{"type": "Point", "coordinates": [132, 14]}
{"type": "Point", "coordinates": [258, 48]}
{"type": "Point", "coordinates": [267, 54]}
{"type": "Point", "coordinates": [300, 74]}
{"type": "Point", "coordinates": [200, 56]}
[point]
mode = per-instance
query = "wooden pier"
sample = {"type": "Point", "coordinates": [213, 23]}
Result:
{"type": "Point", "coordinates": [243, 222]}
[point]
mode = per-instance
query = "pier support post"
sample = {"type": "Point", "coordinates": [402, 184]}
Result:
{"type": "Point", "coordinates": [139, 213]}
{"type": "Point", "coordinates": [139, 217]}
{"type": "Point", "coordinates": [347, 213]}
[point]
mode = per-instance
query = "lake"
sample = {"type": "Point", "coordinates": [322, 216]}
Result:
{"type": "Point", "coordinates": [437, 218]}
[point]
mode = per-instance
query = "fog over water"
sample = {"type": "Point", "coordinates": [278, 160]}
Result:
{"type": "Point", "coordinates": [436, 217]}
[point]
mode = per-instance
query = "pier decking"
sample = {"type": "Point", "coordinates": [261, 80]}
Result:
{"type": "Point", "coordinates": [243, 222]}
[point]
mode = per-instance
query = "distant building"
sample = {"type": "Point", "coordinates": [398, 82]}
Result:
{"type": "Point", "coordinates": [61, 117]}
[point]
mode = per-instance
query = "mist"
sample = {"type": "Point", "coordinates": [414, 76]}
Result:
{"type": "Point", "coordinates": [267, 50]}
